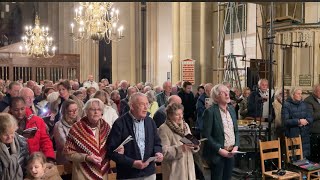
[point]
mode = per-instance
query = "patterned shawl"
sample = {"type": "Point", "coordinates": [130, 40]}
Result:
{"type": "Point", "coordinates": [82, 140]}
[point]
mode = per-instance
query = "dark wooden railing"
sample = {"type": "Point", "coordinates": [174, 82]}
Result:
{"type": "Point", "coordinates": [13, 66]}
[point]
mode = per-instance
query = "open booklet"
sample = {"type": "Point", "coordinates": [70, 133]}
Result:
{"type": "Point", "coordinates": [190, 139]}
{"type": "Point", "coordinates": [128, 139]}
{"type": "Point", "coordinates": [151, 159]}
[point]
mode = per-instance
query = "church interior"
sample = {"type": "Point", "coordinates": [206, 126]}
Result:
{"type": "Point", "coordinates": [155, 42]}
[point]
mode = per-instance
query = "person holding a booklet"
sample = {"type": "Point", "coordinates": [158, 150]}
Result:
{"type": "Point", "coordinates": [140, 153]}
{"type": "Point", "coordinates": [221, 128]}
{"type": "Point", "coordinates": [178, 145]}
{"type": "Point", "coordinates": [86, 143]}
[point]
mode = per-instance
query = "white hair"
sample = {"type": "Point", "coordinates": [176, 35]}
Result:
{"type": "Point", "coordinates": [215, 91]}
{"type": "Point", "coordinates": [294, 90]}
{"type": "Point", "coordinates": [90, 102]}
{"type": "Point", "coordinates": [261, 80]}
{"type": "Point", "coordinates": [133, 98]}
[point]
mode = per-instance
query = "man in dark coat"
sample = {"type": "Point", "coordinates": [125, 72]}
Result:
{"type": "Point", "coordinates": [160, 115]}
{"type": "Point", "coordinates": [313, 102]}
{"type": "Point", "coordinates": [145, 144]}
{"type": "Point", "coordinates": [124, 103]}
{"type": "Point", "coordinates": [123, 89]}
{"type": "Point", "coordinates": [221, 128]}
{"type": "Point", "coordinates": [13, 91]}
{"type": "Point", "coordinates": [188, 103]}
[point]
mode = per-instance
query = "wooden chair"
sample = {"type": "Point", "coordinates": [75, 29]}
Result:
{"type": "Point", "coordinates": [64, 169]}
{"type": "Point", "coordinates": [271, 150]}
{"type": "Point", "coordinates": [112, 175]}
{"type": "Point", "coordinates": [294, 148]}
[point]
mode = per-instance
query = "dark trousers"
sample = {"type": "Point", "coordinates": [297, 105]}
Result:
{"type": "Point", "coordinates": [315, 145]}
{"type": "Point", "coordinates": [222, 170]}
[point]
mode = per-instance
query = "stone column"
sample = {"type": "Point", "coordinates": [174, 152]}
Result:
{"type": "Point", "coordinates": [176, 42]}
{"type": "Point", "coordinates": [152, 41]}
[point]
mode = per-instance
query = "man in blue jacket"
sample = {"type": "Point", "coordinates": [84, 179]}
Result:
{"type": "Point", "coordinates": [145, 144]}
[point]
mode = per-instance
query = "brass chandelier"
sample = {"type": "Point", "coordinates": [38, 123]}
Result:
{"type": "Point", "coordinates": [37, 41]}
{"type": "Point", "coordinates": [96, 21]}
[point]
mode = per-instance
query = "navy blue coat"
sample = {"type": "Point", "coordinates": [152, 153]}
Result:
{"type": "Point", "coordinates": [291, 112]}
{"type": "Point", "coordinates": [200, 107]}
{"type": "Point", "coordinates": [121, 129]}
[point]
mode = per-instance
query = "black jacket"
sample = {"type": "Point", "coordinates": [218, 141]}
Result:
{"type": "Point", "coordinates": [160, 116]}
{"type": "Point", "coordinates": [121, 129]}
{"type": "Point", "coordinates": [122, 93]}
{"type": "Point", "coordinates": [189, 105]}
{"type": "Point", "coordinates": [124, 106]}
{"type": "Point", "coordinates": [5, 102]}
{"type": "Point", "coordinates": [314, 107]}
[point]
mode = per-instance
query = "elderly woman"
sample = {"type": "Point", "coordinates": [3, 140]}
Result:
{"type": "Point", "coordinates": [151, 95]}
{"type": "Point", "coordinates": [109, 114]}
{"type": "Point", "coordinates": [298, 118]}
{"type": "Point", "coordinates": [64, 89]}
{"type": "Point", "coordinates": [13, 149]}
{"type": "Point", "coordinates": [178, 160]}
{"type": "Point", "coordinates": [86, 143]}
{"type": "Point", "coordinates": [69, 115]}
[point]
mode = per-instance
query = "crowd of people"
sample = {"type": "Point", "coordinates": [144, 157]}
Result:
{"type": "Point", "coordinates": [85, 124]}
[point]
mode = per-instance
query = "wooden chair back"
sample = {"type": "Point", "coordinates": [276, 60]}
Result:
{"type": "Point", "coordinates": [270, 150]}
{"type": "Point", "coordinates": [112, 175]}
{"type": "Point", "coordinates": [293, 148]}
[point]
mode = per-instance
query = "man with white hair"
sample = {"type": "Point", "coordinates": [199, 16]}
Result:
{"type": "Point", "coordinates": [162, 98]}
{"type": "Point", "coordinates": [91, 83]}
{"type": "Point", "coordinates": [160, 115]}
{"type": "Point", "coordinates": [123, 89]}
{"type": "Point", "coordinates": [221, 128]}
{"type": "Point", "coordinates": [28, 95]}
{"type": "Point", "coordinates": [133, 163]}
{"type": "Point", "coordinates": [258, 104]}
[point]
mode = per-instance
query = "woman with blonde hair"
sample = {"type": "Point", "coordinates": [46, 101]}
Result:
{"type": "Point", "coordinates": [151, 95]}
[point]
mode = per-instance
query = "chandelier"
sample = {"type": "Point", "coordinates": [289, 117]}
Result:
{"type": "Point", "coordinates": [37, 41]}
{"type": "Point", "coordinates": [96, 21]}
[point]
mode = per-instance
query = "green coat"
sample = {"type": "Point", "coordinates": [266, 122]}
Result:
{"type": "Point", "coordinates": [213, 130]}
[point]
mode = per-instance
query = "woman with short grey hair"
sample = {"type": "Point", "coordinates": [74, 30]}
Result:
{"type": "Point", "coordinates": [151, 95]}
{"type": "Point", "coordinates": [87, 142]}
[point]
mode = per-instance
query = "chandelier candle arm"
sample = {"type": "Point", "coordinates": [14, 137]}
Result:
{"type": "Point", "coordinates": [96, 21]}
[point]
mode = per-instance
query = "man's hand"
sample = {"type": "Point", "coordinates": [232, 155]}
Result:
{"type": "Point", "coordinates": [138, 164]}
{"type": "Point", "coordinates": [303, 122]}
{"type": "Point", "coordinates": [225, 153]}
{"type": "Point", "coordinates": [94, 159]}
{"type": "Point", "coordinates": [159, 157]}
{"type": "Point", "coordinates": [120, 150]}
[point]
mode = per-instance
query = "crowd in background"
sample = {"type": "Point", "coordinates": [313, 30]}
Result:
{"type": "Point", "coordinates": [68, 122]}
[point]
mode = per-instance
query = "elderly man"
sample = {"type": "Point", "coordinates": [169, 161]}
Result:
{"type": "Point", "coordinates": [13, 91]}
{"type": "Point", "coordinates": [162, 98]}
{"type": "Point", "coordinates": [313, 102]}
{"type": "Point", "coordinates": [160, 115]}
{"type": "Point", "coordinates": [91, 83]}
{"type": "Point", "coordinates": [258, 104]}
{"type": "Point", "coordinates": [221, 128]}
{"type": "Point", "coordinates": [124, 103]}
{"type": "Point", "coordinates": [28, 95]}
{"type": "Point", "coordinates": [133, 163]}
{"type": "Point", "coordinates": [123, 89]}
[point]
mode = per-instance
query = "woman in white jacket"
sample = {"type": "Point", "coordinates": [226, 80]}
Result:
{"type": "Point", "coordinates": [109, 114]}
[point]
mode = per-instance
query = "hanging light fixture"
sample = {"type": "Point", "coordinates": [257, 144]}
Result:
{"type": "Point", "coordinates": [97, 21]}
{"type": "Point", "coordinates": [37, 41]}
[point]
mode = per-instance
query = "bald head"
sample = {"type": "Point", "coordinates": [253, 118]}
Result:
{"type": "Point", "coordinates": [174, 99]}
{"type": "Point", "coordinates": [28, 96]}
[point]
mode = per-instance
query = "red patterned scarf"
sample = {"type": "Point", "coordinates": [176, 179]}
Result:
{"type": "Point", "coordinates": [82, 140]}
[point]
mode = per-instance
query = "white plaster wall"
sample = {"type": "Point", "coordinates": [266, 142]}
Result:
{"type": "Point", "coordinates": [164, 41]}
